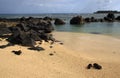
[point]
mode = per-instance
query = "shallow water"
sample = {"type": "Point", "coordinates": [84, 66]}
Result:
{"type": "Point", "coordinates": [106, 28]}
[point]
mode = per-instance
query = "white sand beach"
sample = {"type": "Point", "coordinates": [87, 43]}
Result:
{"type": "Point", "coordinates": [68, 60]}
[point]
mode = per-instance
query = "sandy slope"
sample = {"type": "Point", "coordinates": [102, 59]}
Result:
{"type": "Point", "coordinates": [69, 60]}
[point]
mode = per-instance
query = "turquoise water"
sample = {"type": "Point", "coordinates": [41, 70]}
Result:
{"type": "Point", "coordinates": [107, 28]}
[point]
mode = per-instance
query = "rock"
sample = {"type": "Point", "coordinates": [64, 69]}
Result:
{"type": "Point", "coordinates": [28, 31]}
{"type": "Point", "coordinates": [59, 22]}
{"type": "Point", "coordinates": [87, 20]}
{"type": "Point", "coordinates": [110, 17]}
{"type": "Point", "coordinates": [89, 66]}
{"type": "Point", "coordinates": [21, 37]}
{"type": "Point", "coordinates": [118, 18]}
{"type": "Point", "coordinates": [51, 54]}
{"type": "Point", "coordinates": [7, 45]}
{"type": "Point", "coordinates": [17, 52]}
{"type": "Point", "coordinates": [101, 20]}
{"type": "Point", "coordinates": [46, 26]}
{"type": "Point", "coordinates": [31, 19]}
{"type": "Point", "coordinates": [77, 20]}
{"type": "Point", "coordinates": [34, 35]}
{"type": "Point", "coordinates": [4, 29]}
{"type": "Point", "coordinates": [47, 37]}
{"type": "Point", "coordinates": [23, 19]}
{"type": "Point", "coordinates": [97, 66]}
{"type": "Point", "coordinates": [61, 43]}
{"type": "Point", "coordinates": [47, 18]}
{"type": "Point", "coordinates": [36, 48]}
{"type": "Point", "coordinates": [23, 27]}
{"type": "Point", "coordinates": [51, 46]}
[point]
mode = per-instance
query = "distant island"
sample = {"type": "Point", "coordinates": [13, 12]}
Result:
{"type": "Point", "coordinates": [106, 11]}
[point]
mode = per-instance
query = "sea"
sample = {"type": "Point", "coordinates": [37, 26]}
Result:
{"type": "Point", "coordinates": [104, 28]}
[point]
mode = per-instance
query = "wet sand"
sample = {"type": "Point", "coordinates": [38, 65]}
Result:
{"type": "Point", "coordinates": [64, 61]}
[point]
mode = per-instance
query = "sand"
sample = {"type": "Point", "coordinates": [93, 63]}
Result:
{"type": "Point", "coordinates": [68, 60]}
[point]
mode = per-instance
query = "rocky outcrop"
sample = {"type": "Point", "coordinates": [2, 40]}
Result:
{"type": "Point", "coordinates": [110, 17]}
{"type": "Point", "coordinates": [77, 20]}
{"type": "Point", "coordinates": [28, 31]}
{"type": "Point", "coordinates": [59, 22]}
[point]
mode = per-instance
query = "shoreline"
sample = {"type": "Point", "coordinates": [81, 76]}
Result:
{"type": "Point", "coordinates": [68, 60]}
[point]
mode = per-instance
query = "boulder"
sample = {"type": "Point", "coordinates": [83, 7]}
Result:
{"type": "Point", "coordinates": [110, 17]}
{"type": "Point", "coordinates": [118, 18]}
{"type": "Point", "coordinates": [59, 22]}
{"type": "Point", "coordinates": [87, 20]}
{"type": "Point", "coordinates": [77, 20]}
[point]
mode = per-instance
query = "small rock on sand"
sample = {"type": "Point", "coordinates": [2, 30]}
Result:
{"type": "Point", "coordinates": [97, 66]}
{"type": "Point", "coordinates": [17, 52]}
{"type": "Point", "coordinates": [89, 66]}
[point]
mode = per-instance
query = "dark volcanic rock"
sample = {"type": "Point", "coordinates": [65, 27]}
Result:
{"type": "Point", "coordinates": [97, 66]}
{"type": "Point", "coordinates": [23, 27]}
{"type": "Point", "coordinates": [36, 48]}
{"type": "Point", "coordinates": [110, 17]}
{"type": "Point", "coordinates": [77, 20]}
{"type": "Point", "coordinates": [118, 18]}
{"type": "Point", "coordinates": [44, 26]}
{"type": "Point", "coordinates": [59, 22]}
{"type": "Point", "coordinates": [4, 29]}
{"type": "Point", "coordinates": [7, 45]}
{"type": "Point", "coordinates": [87, 20]}
{"type": "Point", "coordinates": [17, 52]}
{"type": "Point", "coordinates": [27, 33]}
{"type": "Point", "coordinates": [23, 19]}
{"type": "Point", "coordinates": [89, 66]}
{"type": "Point", "coordinates": [51, 54]}
{"type": "Point", "coordinates": [47, 37]}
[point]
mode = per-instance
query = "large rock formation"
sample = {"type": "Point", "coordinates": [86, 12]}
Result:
{"type": "Point", "coordinates": [59, 21]}
{"type": "Point", "coordinates": [28, 31]}
{"type": "Point", "coordinates": [77, 20]}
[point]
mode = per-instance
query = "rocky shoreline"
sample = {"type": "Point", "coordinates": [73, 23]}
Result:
{"type": "Point", "coordinates": [26, 31]}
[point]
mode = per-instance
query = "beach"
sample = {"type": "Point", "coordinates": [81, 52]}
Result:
{"type": "Point", "coordinates": [68, 60]}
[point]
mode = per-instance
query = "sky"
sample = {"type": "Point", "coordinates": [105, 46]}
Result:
{"type": "Point", "coordinates": [57, 6]}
